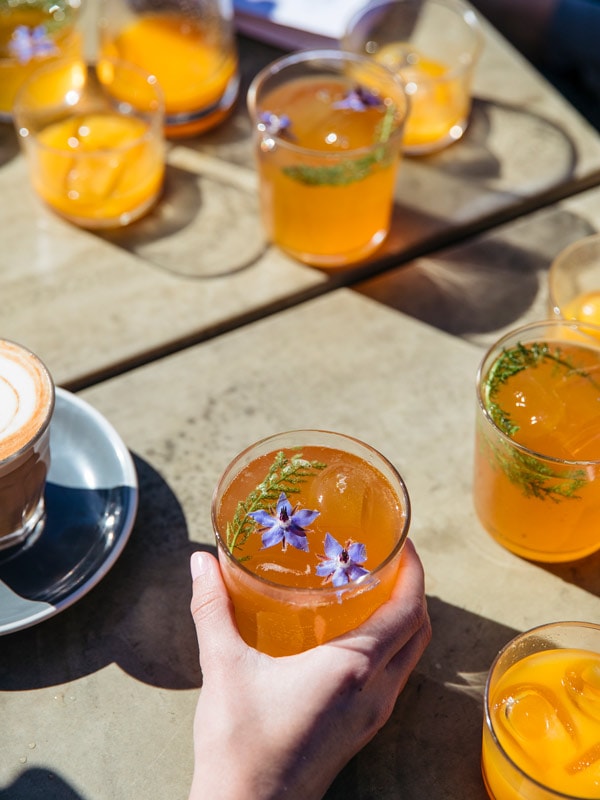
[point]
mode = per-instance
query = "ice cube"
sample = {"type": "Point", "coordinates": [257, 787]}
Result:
{"type": "Point", "coordinates": [345, 497]}
{"type": "Point", "coordinates": [582, 681]}
{"type": "Point", "coordinates": [536, 720]}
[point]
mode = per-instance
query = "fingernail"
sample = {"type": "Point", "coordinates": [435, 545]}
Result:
{"type": "Point", "coordinates": [198, 564]}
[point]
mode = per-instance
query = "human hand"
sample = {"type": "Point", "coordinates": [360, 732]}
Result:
{"type": "Point", "coordinates": [269, 727]}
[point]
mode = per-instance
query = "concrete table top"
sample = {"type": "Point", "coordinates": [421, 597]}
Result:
{"type": "Point", "coordinates": [95, 305]}
{"type": "Point", "coordinates": [97, 702]}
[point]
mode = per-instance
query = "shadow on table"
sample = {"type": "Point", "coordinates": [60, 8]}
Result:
{"type": "Point", "coordinates": [188, 231]}
{"type": "Point", "coordinates": [137, 617]}
{"type": "Point", "coordinates": [584, 573]}
{"type": "Point", "coordinates": [484, 285]}
{"type": "Point", "coordinates": [9, 144]}
{"type": "Point", "coordinates": [431, 745]}
{"type": "Point", "coordinates": [39, 784]}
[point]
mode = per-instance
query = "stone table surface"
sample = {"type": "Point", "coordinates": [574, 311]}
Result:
{"type": "Point", "coordinates": [92, 305]}
{"type": "Point", "coordinates": [97, 702]}
{"type": "Point", "coordinates": [179, 329]}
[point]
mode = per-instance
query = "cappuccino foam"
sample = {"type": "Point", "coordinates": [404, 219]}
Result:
{"type": "Point", "coordinates": [26, 397]}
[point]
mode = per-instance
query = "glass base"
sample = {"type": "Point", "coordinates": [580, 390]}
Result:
{"type": "Point", "coordinates": [179, 126]}
{"type": "Point", "coordinates": [455, 133]}
{"type": "Point", "coordinates": [26, 535]}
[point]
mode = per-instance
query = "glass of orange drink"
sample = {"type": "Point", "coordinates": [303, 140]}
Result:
{"type": "Point", "coordinates": [434, 45]}
{"type": "Point", "coordinates": [93, 139]}
{"type": "Point", "coordinates": [328, 132]}
{"type": "Point", "coordinates": [541, 728]}
{"type": "Point", "coordinates": [574, 281]}
{"type": "Point", "coordinates": [189, 45]}
{"type": "Point", "coordinates": [310, 527]}
{"type": "Point", "coordinates": [537, 453]}
{"type": "Point", "coordinates": [33, 32]}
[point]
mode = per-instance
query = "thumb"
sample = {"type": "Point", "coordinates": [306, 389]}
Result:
{"type": "Point", "coordinates": [212, 611]}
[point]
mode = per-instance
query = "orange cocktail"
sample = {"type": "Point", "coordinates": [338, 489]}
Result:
{"type": "Point", "coordinates": [328, 135]}
{"type": "Point", "coordinates": [537, 455]}
{"type": "Point", "coordinates": [434, 45]}
{"type": "Point", "coordinates": [541, 735]}
{"type": "Point", "coordinates": [93, 140]}
{"type": "Point", "coordinates": [440, 98]}
{"type": "Point", "coordinates": [574, 281]}
{"type": "Point", "coordinates": [309, 527]}
{"type": "Point", "coordinates": [31, 33]}
{"type": "Point", "coordinates": [190, 49]}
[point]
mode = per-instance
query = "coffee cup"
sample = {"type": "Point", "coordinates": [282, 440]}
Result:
{"type": "Point", "coordinates": [26, 406]}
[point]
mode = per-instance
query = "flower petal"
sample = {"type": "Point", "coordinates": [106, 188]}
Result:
{"type": "Point", "coordinates": [264, 519]}
{"type": "Point", "coordinates": [333, 548]}
{"type": "Point", "coordinates": [272, 536]}
{"type": "Point", "coordinates": [300, 542]}
{"type": "Point", "coordinates": [304, 517]}
{"type": "Point", "coordinates": [339, 577]}
{"type": "Point", "coordinates": [357, 552]}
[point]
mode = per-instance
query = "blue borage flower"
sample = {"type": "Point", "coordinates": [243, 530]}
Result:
{"type": "Point", "coordinates": [28, 43]}
{"type": "Point", "coordinates": [340, 564]}
{"type": "Point", "coordinates": [286, 526]}
{"type": "Point", "coordinates": [359, 99]}
{"type": "Point", "coordinates": [275, 125]}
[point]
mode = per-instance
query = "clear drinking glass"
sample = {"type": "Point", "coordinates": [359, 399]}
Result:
{"type": "Point", "coordinates": [541, 724]}
{"type": "Point", "coordinates": [33, 32]}
{"type": "Point", "coordinates": [324, 552]}
{"type": "Point", "coordinates": [328, 131]}
{"type": "Point", "coordinates": [434, 45]}
{"type": "Point", "coordinates": [188, 44]}
{"type": "Point", "coordinates": [574, 281]}
{"type": "Point", "coordinates": [26, 406]}
{"type": "Point", "coordinates": [537, 451]}
{"type": "Point", "coordinates": [93, 139]}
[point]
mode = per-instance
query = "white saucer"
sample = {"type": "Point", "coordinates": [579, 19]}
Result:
{"type": "Point", "coordinates": [91, 502]}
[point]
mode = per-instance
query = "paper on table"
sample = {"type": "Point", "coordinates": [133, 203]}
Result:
{"type": "Point", "coordinates": [295, 23]}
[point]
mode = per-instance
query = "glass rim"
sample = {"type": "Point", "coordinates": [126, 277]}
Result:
{"type": "Point", "coordinates": [45, 424]}
{"type": "Point", "coordinates": [591, 240]}
{"type": "Point", "coordinates": [537, 629]}
{"type": "Point", "coordinates": [327, 55]}
{"type": "Point", "coordinates": [325, 590]}
{"type": "Point", "coordinates": [467, 14]}
{"type": "Point", "coordinates": [155, 115]}
{"type": "Point", "coordinates": [497, 347]}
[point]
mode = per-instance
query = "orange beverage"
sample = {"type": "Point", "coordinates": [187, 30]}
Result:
{"type": "Point", "coordinates": [439, 97]}
{"type": "Point", "coordinates": [541, 737]}
{"type": "Point", "coordinates": [307, 566]}
{"type": "Point", "coordinates": [434, 45]}
{"type": "Point", "coordinates": [584, 307]}
{"type": "Point", "coordinates": [192, 53]}
{"type": "Point", "coordinates": [97, 161]}
{"type": "Point", "coordinates": [32, 33]}
{"type": "Point", "coordinates": [537, 456]}
{"type": "Point", "coordinates": [574, 281]}
{"type": "Point", "coordinates": [328, 136]}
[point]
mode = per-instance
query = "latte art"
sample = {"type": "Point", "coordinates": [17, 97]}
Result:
{"type": "Point", "coordinates": [26, 397]}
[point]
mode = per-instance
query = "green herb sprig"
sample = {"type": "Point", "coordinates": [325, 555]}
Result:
{"type": "Point", "coordinates": [347, 172]}
{"type": "Point", "coordinates": [536, 478]}
{"type": "Point", "coordinates": [284, 475]}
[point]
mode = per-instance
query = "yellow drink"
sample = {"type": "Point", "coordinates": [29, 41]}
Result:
{"type": "Point", "coordinates": [30, 34]}
{"type": "Point", "coordinates": [95, 168]}
{"type": "Point", "coordinates": [585, 307]}
{"type": "Point", "coordinates": [537, 457]}
{"type": "Point", "coordinates": [545, 714]}
{"type": "Point", "coordinates": [328, 137]}
{"type": "Point", "coordinates": [286, 598]}
{"type": "Point", "coordinates": [194, 69]}
{"type": "Point", "coordinates": [439, 96]}
{"type": "Point", "coordinates": [93, 137]}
